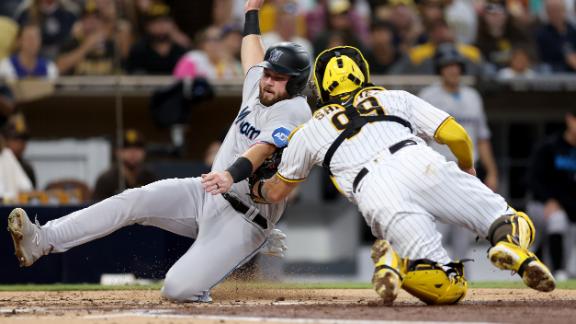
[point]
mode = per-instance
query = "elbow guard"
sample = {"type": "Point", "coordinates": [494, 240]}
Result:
{"type": "Point", "coordinates": [454, 135]}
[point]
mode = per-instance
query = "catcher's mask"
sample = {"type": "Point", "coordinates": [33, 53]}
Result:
{"type": "Point", "coordinates": [340, 71]}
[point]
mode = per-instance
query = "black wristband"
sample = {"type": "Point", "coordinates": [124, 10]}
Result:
{"type": "Point", "coordinates": [251, 23]}
{"type": "Point", "coordinates": [240, 169]}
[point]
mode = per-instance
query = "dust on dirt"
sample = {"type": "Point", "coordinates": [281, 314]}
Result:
{"type": "Point", "coordinates": [127, 306]}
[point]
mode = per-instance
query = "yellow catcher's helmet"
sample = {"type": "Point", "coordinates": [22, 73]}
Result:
{"type": "Point", "coordinates": [340, 70]}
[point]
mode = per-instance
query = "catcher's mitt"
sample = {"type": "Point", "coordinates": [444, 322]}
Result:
{"type": "Point", "coordinates": [265, 171]}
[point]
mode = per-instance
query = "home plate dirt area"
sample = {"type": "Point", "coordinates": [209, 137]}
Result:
{"type": "Point", "coordinates": [239, 304]}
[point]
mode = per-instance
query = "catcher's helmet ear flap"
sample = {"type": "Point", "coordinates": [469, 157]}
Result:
{"type": "Point", "coordinates": [446, 54]}
{"type": "Point", "coordinates": [340, 70]}
{"type": "Point", "coordinates": [290, 59]}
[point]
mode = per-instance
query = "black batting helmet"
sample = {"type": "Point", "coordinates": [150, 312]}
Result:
{"type": "Point", "coordinates": [290, 59]}
{"type": "Point", "coordinates": [447, 54]}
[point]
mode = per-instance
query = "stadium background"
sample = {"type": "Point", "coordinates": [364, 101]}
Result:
{"type": "Point", "coordinates": [74, 122]}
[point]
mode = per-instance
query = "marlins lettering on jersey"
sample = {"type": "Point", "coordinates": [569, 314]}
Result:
{"type": "Point", "coordinates": [245, 127]}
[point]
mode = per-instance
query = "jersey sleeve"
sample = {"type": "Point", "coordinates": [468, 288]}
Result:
{"type": "Point", "coordinates": [251, 81]}
{"type": "Point", "coordinates": [282, 121]}
{"type": "Point", "coordinates": [297, 159]}
{"type": "Point", "coordinates": [425, 117]}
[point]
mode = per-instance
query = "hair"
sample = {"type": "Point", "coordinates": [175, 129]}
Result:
{"type": "Point", "coordinates": [21, 29]}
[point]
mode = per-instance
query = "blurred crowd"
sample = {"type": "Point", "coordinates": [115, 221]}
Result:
{"type": "Point", "coordinates": [504, 38]}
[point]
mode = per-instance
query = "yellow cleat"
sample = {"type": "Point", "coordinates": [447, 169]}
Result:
{"type": "Point", "coordinates": [388, 272]}
{"type": "Point", "coordinates": [508, 256]}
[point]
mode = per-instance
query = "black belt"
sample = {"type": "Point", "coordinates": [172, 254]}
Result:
{"type": "Point", "coordinates": [398, 146]}
{"type": "Point", "coordinates": [240, 207]}
{"type": "Point", "coordinates": [393, 149]}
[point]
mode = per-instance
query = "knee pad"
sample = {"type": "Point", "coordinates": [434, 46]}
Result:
{"type": "Point", "coordinates": [432, 284]}
{"type": "Point", "coordinates": [517, 229]}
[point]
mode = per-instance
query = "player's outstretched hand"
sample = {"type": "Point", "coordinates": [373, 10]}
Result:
{"type": "Point", "coordinates": [217, 182]}
{"type": "Point", "coordinates": [253, 5]}
{"type": "Point", "coordinates": [275, 244]}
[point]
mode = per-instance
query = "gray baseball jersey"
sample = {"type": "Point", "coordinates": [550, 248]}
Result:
{"type": "Point", "coordinates": [224, 238]}
{"type": "Point", "coordinates": [257, 123]}
{"type": "Point", "coordinates": [466, 107]}
{"type": "Point", "coordinates": [404, 192]}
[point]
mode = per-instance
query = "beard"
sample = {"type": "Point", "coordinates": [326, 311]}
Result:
{"type": "Point", "coordinates": [268, 98]}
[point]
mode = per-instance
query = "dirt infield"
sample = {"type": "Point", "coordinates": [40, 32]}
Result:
{"type": "Point", "coordinates": [238, 304]}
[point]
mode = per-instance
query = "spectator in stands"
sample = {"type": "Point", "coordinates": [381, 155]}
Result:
{"type": "Point", "coordinates": [557, 39]}
{"type": "Point", "coordinates": [520, 65]}
{"type": "Point", "coordinates": [232, 40]}
{"type": "Point", "coordinates": [211, 61]}
{"type": "Point", "coordinates": [91, 51]}
{"type": "Point", "coordinates": [465, 105]}
{"type": "Point", "coordinates": [404, 17]}
{"type": "Point", "coordinates": [382, 53]}
{"type": "Point", "coordinates": [318, 19]}
{"type": "Point", "coordinates": [130, 157]}
{"type": "Point", "coordinates": [420, 59]}
{"type": "Point", "coordinates": [498, 34]}
{"type": "Point", "coordinates": [285, 27]}
{"type": "Point", "coordinates": [17, 136]}
{"type": "Point", "coordinates": [156, 53]}
{"type": "Point", "coordinates": [430, 11]}
{"type": "Point", "coordinates": [340, 28]}
{"type": "Point", "coordinates": [26, 61]}
{"type": "Point", "coordinates": [136, 13]}
{"type": "Point", "coordinates": [55, 20]}
{"type": "Point", "coordinates": [552, 182]}
{"type": "Point", "coordinates": [116, 26]}
{"type": "Point", "coordinates": [461, 16]}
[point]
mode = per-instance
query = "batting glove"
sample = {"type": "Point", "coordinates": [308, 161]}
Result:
{"type": "Point", "coordinates": [275, 244]}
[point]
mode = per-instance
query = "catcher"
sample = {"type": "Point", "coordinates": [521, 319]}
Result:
{"type": "Point", "coordinates": [372, 142]}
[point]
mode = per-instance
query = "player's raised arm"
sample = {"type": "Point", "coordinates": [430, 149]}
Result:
{"type": "Point", "coordinates": [252, 51]}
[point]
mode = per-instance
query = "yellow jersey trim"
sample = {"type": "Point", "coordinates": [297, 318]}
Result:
{"type": "Point", "coordinates": [281, 177]}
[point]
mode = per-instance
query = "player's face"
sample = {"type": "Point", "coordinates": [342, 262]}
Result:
{"type": "Point", "coordinates": [273, 87]}
{"type": "Point", "coordinates": [132, 157]}
{"type": "Point", "coordinates": [451, 74]}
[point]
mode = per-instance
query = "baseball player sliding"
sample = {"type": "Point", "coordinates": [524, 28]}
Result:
{"type": "Point", "coordinates": [229, 229]}
{"type": "Point", "coordinates": [372, 142]}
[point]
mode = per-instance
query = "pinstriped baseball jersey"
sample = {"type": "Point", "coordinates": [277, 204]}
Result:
{"type": "Point", "coordinates": [256, 123]}
{"type": "Point", "coordinates": [404, 193]}
{"type": "Point", "coordinates": [308, 146]}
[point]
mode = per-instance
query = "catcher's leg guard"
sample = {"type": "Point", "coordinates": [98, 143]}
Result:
{"type": "Point", "coordinates": [432, 284]}
{"type": "Point", "coordinates": [511, 236]}
{"type": "Point", "coordinates": [517, 229]}
{"type": "Point", "coordinates": [388, 272]}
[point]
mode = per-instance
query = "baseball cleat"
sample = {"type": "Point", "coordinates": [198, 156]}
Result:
{"type": "Point", "coordinates": [387, 278]}
{"type": "Point", "coordinates": [26, 237]}
{"type": "Point", "coordinates": [534, 273]}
